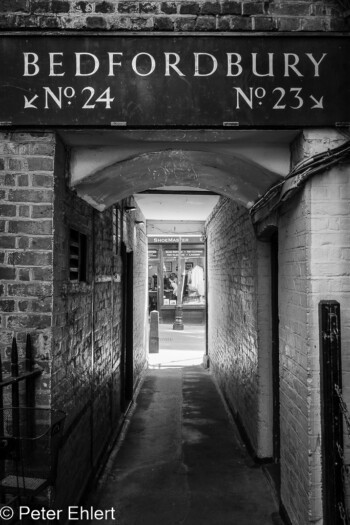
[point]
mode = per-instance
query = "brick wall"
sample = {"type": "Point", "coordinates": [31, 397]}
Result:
{"type": "Point", "coordinates": [88, 332]}
{"type": "Point", "coordinates": [329, 266]}
{"type": "Point", "coordinates": [313, 261]}
{"type": "Point", "coordinates": [181, 15]}
{"type": "Point", "coordinates": [239, 320]}
{"type": "Point", "coordinates": [75, 327]}
{"type": "Point", "coordinates": [294, 287]}
{"type": "Point", "coordinates": [26, 199]}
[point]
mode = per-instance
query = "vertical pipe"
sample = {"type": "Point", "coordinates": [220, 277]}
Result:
{"type": "Point", "coordinates": [92, 378]}
{"type": "Point", "coordinates": [15, 389]}
{"type": "Point", "coordinates": [1, 425]}
{"type": "Point", "coordinates": [179, 274]}
{"type": "Point", "coordinates": [160, 281]}
{"type": "Point", "coordinates": [30, 388]}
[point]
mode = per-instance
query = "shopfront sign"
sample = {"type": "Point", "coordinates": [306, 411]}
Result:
{"type": "Point", "coordinates": [174, 80]}
{"type": "Point", "coordinates": [195, 239]}
{"type": "Point", "coordinates": [184, 253]}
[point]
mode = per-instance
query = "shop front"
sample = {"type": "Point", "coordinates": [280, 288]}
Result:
{"type": "Point", "coordinates": [177, 279]}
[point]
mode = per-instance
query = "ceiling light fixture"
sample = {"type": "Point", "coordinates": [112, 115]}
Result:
{"type": "Point", "coordinates": [129, 208]}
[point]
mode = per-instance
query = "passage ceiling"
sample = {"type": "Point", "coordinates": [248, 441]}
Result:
{"type": "Point", "coordinates": [108, 166]}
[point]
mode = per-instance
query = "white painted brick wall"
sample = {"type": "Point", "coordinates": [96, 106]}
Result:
{"type": "Point", "coordinates": [238, 271]}
{"type": "Point", "coordinates": [314, 256]}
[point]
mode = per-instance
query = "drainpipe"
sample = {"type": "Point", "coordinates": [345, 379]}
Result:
{"type": "Point", "coordinates": [93, 269]}
{"type": "Point", "coordinates": [178, 323]}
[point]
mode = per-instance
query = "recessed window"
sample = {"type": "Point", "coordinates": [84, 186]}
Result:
{"type": "Point", "coordinates": [77, 256]}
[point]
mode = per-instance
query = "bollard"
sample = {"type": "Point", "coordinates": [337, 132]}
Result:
{"type": "Point", "coordinates": [178, 323]}
{"type": "Point", "coordinates": [154, 333]}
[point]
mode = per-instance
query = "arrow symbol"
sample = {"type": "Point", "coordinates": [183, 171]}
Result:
{"type": "Point", "coordinates": [318, 103]}
{"type": "Point", "coordinates": [29, 103]}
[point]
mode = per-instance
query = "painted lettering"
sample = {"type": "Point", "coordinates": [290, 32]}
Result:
{"type": "Point", "coordinates": [112, 63]}
{"type": "Point", "coordinates": [254, 66]}
{"type": "Point", "coordinates": [231, 64]}
{"type": "Point", "coordinates": [53, 64]}
{"type": "Point", "coordinates": [135, 67]}
{"type": "Point", "coordinates": [85, 65]}
{"type": "Point", "coordinates": [316, 64]}
{"type": "Point", "coordinates": [290, 64]}
{"type": "Point", "coordinates": [196, 65]}
{"type": "Point", "coordinates": [31, 67]}
{"type": "Point", "coordinates": [172, 65]}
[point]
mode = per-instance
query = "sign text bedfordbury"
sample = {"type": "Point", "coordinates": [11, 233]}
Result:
{"type": "Point", "coordinates": [246, 81]}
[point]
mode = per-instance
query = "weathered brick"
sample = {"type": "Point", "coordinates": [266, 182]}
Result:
{"type": "Point", "coordinates": [40, 6]}
{"type": "Point", "coordinates": [7, 242]}
{"type": "Point", "coordinates": [205, 23]}
{"type": "Point", "coordinates": [231, 8]}
{"type": "Point", "coordinates": [290, 9]}
{"type": "Point", "coordinates": [163, 23]}
{"type": "Point", "coordinates": [7, 210]}
{"type": "Point", "coordinates": [34, 322]}
{"type": "Point", "coordinates": [23, 211]}
{"type": "Point", "coordinates": [189, 8]}
{"type": "Point", "coordinates": [253, 8]}
{"type": "Point", "coordinates": [2, 164]}
{"type": "Point", "coordinates": [149, 7]}
{"type": "Point", "coordinates": [17, 164]}
{"type": "Point", "coordinates": [104, 7]}
{"type": "Point", "coordinates": [24, 306]}
{"type": "Point", "coordinates": [265, 23]}
{"type": "Point", "coordinates": [7, 306]}
{"type": "Point", "coordinates": [83, 7]}
{"type": "Point", "coordinates": [7, 273]}
{"type": "Point", "coordinates": [41, 243]}
{"type": "Point", "coordinates": [96, 22]}
{"type": "Point", "coordinates": [13, 5]}
{"type": "Point", "coordinates": [235, 23]}
{"type": "Point", "coordinates": [210, 8]}
{"type": "Point", "coordinates": [168, 8]}
{"type": "Point", "coordinates": [24, 274]}
{"type": "Point", "coordinates": [289, 24]}
{"type": "Point", "coordinates": [41, 211]}
{"type": "Point", "coordinates": [314, 24]}
{"type": "Point", "coordinates": [185, 23]}
{"type": "Point", "coordinates": [42, 274]}
{"type": "Point", "coordinates": [22, 243]}
{"type": "Point", "coordinates": [40, 163]}
{"type": "Point", "coordinates": [145, 23]}
{"type": "Point", "coordinates": [30, 195]}
{"type": "Point", "coordinates": [29, 290]}
{"type": "Point", "coordinates": [22, 180]}
{"type": "Point", "coordinates": [42, 181]}
{"type": "Point", "coordinates": [60, 6]}
{"type": "Point", "coordinates": [128, 7]}
{"type": "Point", "coordinates": [31, 227]}
{"type": "Point", "coordinates": [29, 258]}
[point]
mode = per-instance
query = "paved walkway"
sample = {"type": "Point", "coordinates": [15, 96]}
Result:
{"type": "Point", "coordinates": [181, 461]}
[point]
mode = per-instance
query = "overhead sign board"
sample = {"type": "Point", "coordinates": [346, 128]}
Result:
{"type": "Point", "coordinates": [174, 80]}
{"type": "Point", "coordinates": [175, 239]}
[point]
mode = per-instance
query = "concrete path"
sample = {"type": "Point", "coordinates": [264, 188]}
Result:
{"type": "Point", "coordinates": [181, 461]}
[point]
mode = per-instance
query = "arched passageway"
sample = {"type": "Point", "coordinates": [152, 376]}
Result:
{"type": "Point", "coordinates": [240, 167]}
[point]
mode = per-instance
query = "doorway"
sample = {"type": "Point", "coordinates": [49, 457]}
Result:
{"type": "Point", "coordinates": [127, 379]}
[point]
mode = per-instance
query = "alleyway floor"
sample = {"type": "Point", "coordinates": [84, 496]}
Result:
{"type": "Point", "coordinates": [181, 460]}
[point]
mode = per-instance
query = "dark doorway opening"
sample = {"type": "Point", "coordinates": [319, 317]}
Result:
{"type": "Point", "coordinates": [127, 379]}
{"type": "Point", "coordinates": [332, 417]}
